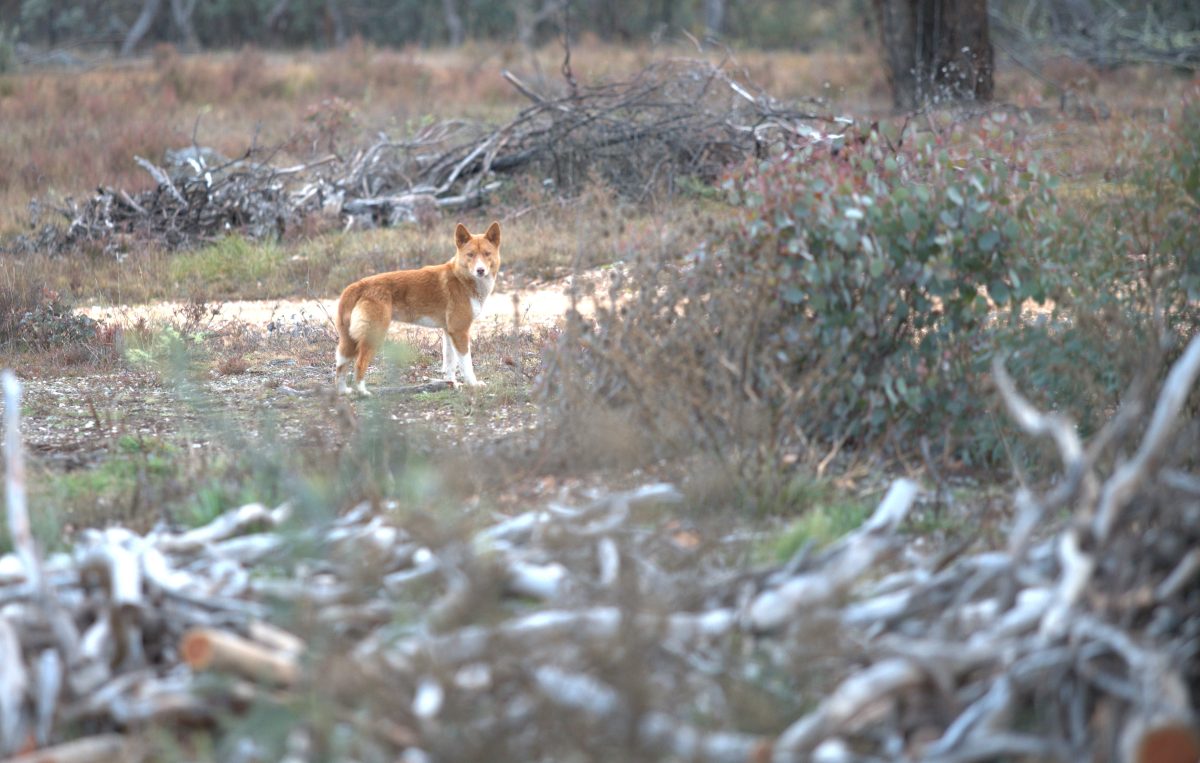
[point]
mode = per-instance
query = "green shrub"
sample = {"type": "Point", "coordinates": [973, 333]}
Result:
{"type": "Point", "coordinates": [889, 266]}
{"type": "Point", "coordinates": [859, 298]}
{"type": "Point", "coordinates": [34, 317]}
{"type": "Point", "coordinates": [1132, 298]}
{"type": "Point", "coordinates": [900, 272]}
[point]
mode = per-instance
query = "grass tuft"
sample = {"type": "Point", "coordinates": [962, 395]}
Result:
{"type": "Point", "coordinates": [234, 266]}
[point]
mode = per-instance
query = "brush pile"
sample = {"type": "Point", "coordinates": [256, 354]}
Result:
{"type": "Point", "coordinates": [674, 119]}
{"type": "Point", "coordinates": [610, 630]}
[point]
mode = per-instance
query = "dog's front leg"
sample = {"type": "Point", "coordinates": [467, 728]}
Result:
{"type": "Point", "coordinates": [460, 340]}
{"type": "Point", "coordinates": [468, 370]}
{"type": "Point", "coordinates": [449, 358]}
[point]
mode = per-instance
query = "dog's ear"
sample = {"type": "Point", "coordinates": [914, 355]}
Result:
{"type": "Point", "coordinates": [461, 235]}
{"type": "Point", "coordinates": [493, 234]}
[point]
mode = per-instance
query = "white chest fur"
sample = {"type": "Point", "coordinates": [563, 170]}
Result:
{"type": "Point", "coordinates": [483, 287]}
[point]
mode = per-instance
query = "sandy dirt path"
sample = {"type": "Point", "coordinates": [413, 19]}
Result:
{"type": "Point", "coordinates": [543, 305]}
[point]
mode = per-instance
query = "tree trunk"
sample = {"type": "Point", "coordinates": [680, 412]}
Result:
{"type": "Point", "coordinates": [454, 23]}
{"type": "Point", "coordinates": [528, 19]}
{"type": "Point", "coordinates": [1071, 18]}
{"type": "Point", "coordinates": [181, 14]}
{"type": "Point", "coordinates": [140, 27]}
{"type": "Point", "coordinates": [936, 51]}
{"type": "Point", "coordinates": [714, 18]}
{"type": "Point", "coordinates": [336, 23]}
{"type": "Point", "coordinates": [275, 19]}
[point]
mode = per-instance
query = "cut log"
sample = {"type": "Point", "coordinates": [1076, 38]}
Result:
{"type": "Point", "coordinates": [211, 649]}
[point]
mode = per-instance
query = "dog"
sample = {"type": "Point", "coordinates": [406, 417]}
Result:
{"type": "Point", "coordinates": [447, 297]}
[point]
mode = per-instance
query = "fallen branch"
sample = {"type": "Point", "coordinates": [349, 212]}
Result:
{"type": "Point", "coordinates": [96, 749]}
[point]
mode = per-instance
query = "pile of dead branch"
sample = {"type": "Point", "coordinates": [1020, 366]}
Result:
{"type": "Point", "coordinates": [610, 631]}
{"type": "Point", "coordinates": [674, 119]}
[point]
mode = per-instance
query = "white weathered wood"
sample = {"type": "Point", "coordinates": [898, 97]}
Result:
{"type": "Point", "coordinates": [48, 686]}
{"type": "Point", "coordinates": [17, 509]}
{"type": "Point", "coordinates": [13, 683]}
{"type": "Point", "coordinates": [608, 559]}
{"type": "Point", "coordinates": [543, 629]}
{"type": "Point", "coordinates": [857, 700]}
{"type": "Point", "coordinates": [1184, 573]}
{"type": "Point", "coordinates": [275, 638]}
{"type": "Point", "coordinates": [657, 733]}
{"type": "Point", "coordinates": [538, 581]}
{"type": "Point", "coordinates": [852, 558]}
{"type": "Point", "coordinates": [225, 526]}
{"type": "Point", "coordinates": [103, 748]}
{"type": "Point", "coordinates": [1119, 488]}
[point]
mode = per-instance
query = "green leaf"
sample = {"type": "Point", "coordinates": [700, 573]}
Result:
{"type": "Point", "coordinates": [988, 241]}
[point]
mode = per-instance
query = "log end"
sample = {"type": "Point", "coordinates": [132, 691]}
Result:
{"type": "Point", "coordinates": [196, 649]}
{"type": "Point", "coordinates": [1169, 743]}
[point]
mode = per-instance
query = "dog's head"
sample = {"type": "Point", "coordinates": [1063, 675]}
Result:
{"type": "Point", "coordinates": [478, 255]}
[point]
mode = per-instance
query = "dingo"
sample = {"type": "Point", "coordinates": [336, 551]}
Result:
{"type": "Point", "coordinates": [447, 297]}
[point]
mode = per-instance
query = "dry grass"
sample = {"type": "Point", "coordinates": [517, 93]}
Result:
{"type": "Point", "coordinates": [245, 415]}
{"type": "Point", "coordinates": [68, 132]}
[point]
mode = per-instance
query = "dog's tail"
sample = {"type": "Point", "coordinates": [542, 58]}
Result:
{"type": "Point", "coordinates": [347, 346]}
{"type": "Point", "coordinates": [345, 308]}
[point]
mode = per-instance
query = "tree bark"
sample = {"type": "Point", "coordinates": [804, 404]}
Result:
{"type": "Point", "coordinates": [336, 23]}
{"type": "Point", "coordinates": [528, 18]}
{"type": "Point", "coordinates": [181, 14]}
{"type": "Point", "coordinates": [454, 23]}
{"type": "Point", "coordinates": [714, 18]}
{"type": "Point", "coordinates": [275, 17]}
{"type": "Point", "coordinates": [1071, 18]}
{"type": "Point", "coordinates": [936, 51]}
{"type": "Point", "coordinates": [140, 27]}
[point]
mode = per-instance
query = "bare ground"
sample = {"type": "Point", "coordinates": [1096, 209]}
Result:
{"type": "Point", "coordinates": [258, 374]}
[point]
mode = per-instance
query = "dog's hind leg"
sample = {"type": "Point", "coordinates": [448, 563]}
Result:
{"type": "Point", "coordinates": [366, 352]}
{"type": "Point", "coordinates": [343, 358]}
{"type": "Point", "coordinates": [368, 328]}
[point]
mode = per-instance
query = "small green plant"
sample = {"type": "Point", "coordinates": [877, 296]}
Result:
{"type": "Point", "coordinates": [231, 485]}
{"type": "Point", "coordinates": [162, 350]}
{"type": "Point", "coordinates": [826, 514]}
{"type": "Point", "coordinates": [137, 473]}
